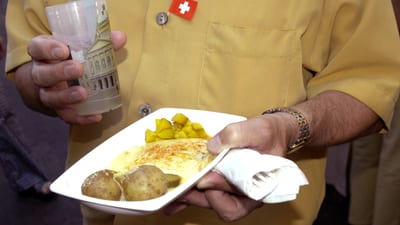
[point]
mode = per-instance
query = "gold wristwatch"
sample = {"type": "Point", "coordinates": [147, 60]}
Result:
{"type": "Point", "coordinates": [304, 128]}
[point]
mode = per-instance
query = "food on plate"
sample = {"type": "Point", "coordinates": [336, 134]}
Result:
{"type": "Point", "coordinates": [179, 127]}
{"type": "Point", "coordinates": [102, 184]}
{"type": "Point", "coordinates": [142, 183]}
{"type": "Point", "coordinates": [173, 153]}
{"type": "Point", "coordinates": [173, 180]}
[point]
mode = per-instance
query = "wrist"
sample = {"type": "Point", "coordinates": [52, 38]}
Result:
{"type": "Point", "coordinates": [302, 127]}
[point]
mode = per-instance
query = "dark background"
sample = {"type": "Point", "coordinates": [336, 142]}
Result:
{"type": "Point", "coordinates": [47, 138]}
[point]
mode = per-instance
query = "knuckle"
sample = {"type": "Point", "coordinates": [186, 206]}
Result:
{"type": "Point", "coordinates": [33, 47]}
{"type": "Point", "coordinates": [231, 133]}
{"type": "Point", "coordinates": [47, 75]}
{"type": "Point", "coordinates": [45, 47]}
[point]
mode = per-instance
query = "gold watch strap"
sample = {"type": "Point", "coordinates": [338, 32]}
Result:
{"type": "Point", "coordinates": [304, 128]}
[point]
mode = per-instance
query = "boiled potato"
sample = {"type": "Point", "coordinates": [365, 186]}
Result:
{"type": "Point", "coordinates": [102, 184]}
{"type": "Point", "coordinates": [143, 183]}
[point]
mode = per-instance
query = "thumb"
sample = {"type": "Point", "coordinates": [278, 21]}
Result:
{"type": "Point", "coordinates": [118, 39]}
{"type": "Point", "coordinates": [214, 145]}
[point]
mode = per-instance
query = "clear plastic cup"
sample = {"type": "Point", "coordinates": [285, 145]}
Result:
{"type": "Point", "coordinates": [84, 26]}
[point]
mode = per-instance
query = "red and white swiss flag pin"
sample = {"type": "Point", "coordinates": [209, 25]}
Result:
{"type": "Point", "coordinates": [183, 8]}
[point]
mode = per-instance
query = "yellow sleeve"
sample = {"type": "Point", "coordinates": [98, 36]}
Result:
{"type": "Point", "coordinates": [25, 19]}
{"type": "Point", "coordinates": [359, 54]}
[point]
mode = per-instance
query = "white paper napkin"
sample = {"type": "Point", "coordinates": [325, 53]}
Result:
{"type": "Point", "coordinates": [262, 177]}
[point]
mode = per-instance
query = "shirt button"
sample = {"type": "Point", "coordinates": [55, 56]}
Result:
{"type": "Point", "coordinates": [162, 18]}
{"type": "Point", "coordinates": [144, 110]}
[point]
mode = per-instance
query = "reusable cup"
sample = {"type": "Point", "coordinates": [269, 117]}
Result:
{"type": "Point", "coordinates": [84, 26]}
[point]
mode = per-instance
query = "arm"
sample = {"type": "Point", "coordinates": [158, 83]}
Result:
{"type": "Point", "coordinates": [330, 118]}
{"type": "Point", "coordinates": [336, 117]}
{"type": "Point", "coordinates": [331, 121]}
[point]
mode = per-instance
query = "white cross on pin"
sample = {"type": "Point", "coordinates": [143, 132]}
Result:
{"type": "Point", "coordinates": [184, 7]}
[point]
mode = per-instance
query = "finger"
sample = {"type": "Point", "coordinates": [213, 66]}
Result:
{"type": "Point", "coordinates": [216, 181]}
{"type": "Point", "coordinates": [118, 39]}
{"type": "Point", "coordinates": [194, 197]}
{"type": "Point", "coordinates": [69, 115]}
{"type": "Point", "coordinates": [61, 95]}
{"type": "Point", "coordinates": [47, 48]}
{"type": "Point", "coordinates": [230, 207]}
{"type": "Point", "coordinates": [64, 99]}
{"type": "Point", "coordinates": [174, 208]}
{"type": "Point", "coordinates": [46, 75]}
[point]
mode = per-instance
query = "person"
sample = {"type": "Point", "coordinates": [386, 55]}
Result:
{"type": "Point", "coordinates": [312, 63]}
{"type": "Point", "coordinates": [374, 177]}
{"type": "Point", "coordinates": [22, 173]}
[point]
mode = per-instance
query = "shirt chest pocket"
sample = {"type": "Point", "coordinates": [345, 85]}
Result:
{"type": "Point", "coordinates": [245, 70]}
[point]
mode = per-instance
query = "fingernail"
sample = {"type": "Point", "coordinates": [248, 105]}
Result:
{"type": "Point", "coordinates": [94, 118]}
{"type": "Point", "coordinates": [70, 71]}
{"type": "Point", "coordinates": [214, 144]}
{"type": "Point", "coordinates": [203, 183]}
{"type": "Point", "coordinates": [57, 53]}
{"type": "Point", "coordinates": [75, 96]}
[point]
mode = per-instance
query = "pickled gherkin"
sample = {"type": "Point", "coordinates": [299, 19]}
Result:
{"type": "Point", "coordinates": [180, 126]}
{"type": "Point", "coordinates": [179, 120]}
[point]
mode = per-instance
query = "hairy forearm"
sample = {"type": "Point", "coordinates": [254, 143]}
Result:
{"type": "Point", "coordinates": [28, 91]}
{"type": "Point", "coordinates": [335, 117]}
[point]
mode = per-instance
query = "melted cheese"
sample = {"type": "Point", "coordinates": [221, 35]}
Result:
{"type": "Point", "coordinates": [184, 157]}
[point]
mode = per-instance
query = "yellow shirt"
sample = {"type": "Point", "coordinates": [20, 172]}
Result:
{"type": "Point", "coordinates": [238, 57]}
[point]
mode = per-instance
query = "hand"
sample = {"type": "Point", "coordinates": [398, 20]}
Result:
{"type": "Point", "coordinates": [267, 134]}
{"type": "Point", "coordinates": [42, 82]}
{"type": "Point", "coordinates": [216, 193]}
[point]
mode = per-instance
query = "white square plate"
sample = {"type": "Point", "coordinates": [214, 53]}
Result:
{"type": "Point", "coordinates": [69, 183]}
